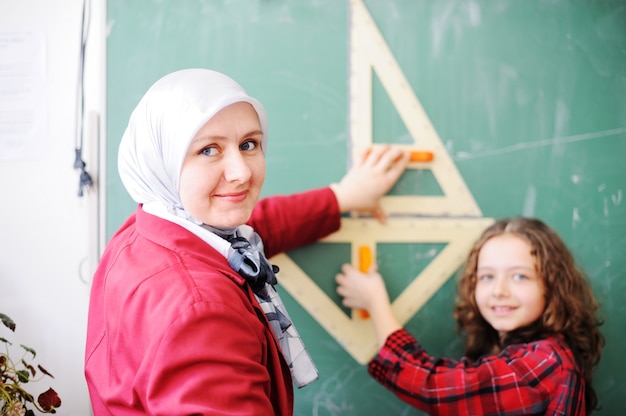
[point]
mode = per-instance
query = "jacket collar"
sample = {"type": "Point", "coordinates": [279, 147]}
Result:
{"type": "Point", "coordinates": [183, 242]}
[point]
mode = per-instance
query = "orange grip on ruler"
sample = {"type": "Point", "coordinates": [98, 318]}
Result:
{"type": "Point", "coordinates": [421, 156]}
{"type": "Point", "coordinates": [365, 261]}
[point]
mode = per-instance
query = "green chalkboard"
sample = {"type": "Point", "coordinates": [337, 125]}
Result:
{"type": "Point", "coordinates": [529, 98]}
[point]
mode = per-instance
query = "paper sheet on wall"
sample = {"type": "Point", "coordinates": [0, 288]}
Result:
{"type": "Point", "coordinates": [23, 95]}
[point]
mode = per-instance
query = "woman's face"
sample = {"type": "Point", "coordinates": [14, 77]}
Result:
{"type": "Point", "coordinates": [224, 169]}
{"type": "Point", "coordinates": [509, 292]}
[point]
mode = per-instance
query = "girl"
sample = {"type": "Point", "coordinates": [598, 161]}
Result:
{"type": "Point", "coordinates": [529, 319]}
{"type": "Point", "coordinates": [183, 316]}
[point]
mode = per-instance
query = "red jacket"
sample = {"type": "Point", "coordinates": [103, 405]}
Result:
{"type": "Point", "coordinates": [173, 330]}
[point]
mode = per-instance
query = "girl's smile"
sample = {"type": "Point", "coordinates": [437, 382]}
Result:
{"type": "Point", "coordinates": [502, 310]}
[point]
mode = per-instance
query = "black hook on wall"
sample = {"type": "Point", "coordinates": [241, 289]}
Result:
{"type": "Point", "coordinates": [85, 180]}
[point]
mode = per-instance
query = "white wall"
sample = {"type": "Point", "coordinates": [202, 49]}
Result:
{"type": "Point", "coordinates": [48, 235]}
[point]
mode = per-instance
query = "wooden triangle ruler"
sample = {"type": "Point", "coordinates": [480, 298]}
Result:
{"type": "Point", "coordinates": [453, 218]}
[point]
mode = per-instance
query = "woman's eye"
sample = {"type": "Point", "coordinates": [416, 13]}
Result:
{"type": "Point", "coordinates": [485, 277]}
{"type": "Point", "coordinates": [249, 145]}
{"type": "Point", "coordinates": [519, 276]}
{"type": "Point", "coordinates": [209, 151]}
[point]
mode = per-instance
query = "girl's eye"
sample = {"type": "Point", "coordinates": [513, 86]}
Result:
{"type": "Point", "coordinates": [519, 276]}
{"type": "Point", "coordinates": [209, 151]}
{"type": "Point", "coordinates": [485, 277]}
{"type": "Point", "coordinates": [249, 145]}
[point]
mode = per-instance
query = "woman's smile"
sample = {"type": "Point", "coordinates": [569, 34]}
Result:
{"type": "Point", "coordinates": [232, 196]}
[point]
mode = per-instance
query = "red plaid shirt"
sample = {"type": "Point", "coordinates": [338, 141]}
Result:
{"type": "Point", "coordinates": [525, 379]}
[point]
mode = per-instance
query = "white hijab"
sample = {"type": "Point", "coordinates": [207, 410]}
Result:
{"type": "Point", "coordinates": [162, 126]}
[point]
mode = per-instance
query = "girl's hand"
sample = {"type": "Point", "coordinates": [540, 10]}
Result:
{"type": "Point", "coordinates": [361, 290]}
{"type": "Point", "coordinates": [371, 176]}
{"type": "Point", "coordinates": [367, 291]}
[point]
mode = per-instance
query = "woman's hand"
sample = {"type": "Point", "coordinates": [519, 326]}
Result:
{"type": "Point", "coordinates": [371, 176]}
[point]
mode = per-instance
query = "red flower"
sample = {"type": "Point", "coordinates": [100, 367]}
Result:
{"type": "Point", "coordinates": [49, 400]}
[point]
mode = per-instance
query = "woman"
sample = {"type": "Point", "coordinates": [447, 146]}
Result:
{"type": "Point", "coordinates": [183, 316]}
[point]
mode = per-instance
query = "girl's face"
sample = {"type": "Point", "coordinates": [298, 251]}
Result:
{"type": "Point", "coordinates": [224, 169]}
{"type": "Point", "coordinates": [509, 293]}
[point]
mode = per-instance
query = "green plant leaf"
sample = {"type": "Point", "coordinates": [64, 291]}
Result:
{"type": "Point", "coordinates": [23, 376]}
{"type": "Point", "coordinates": [29, 349]}
{"type": "Point", "coordinates": [8, 322]}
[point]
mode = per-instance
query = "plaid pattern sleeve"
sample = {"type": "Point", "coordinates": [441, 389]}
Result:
{"type": "Point", "coordinates": [525, 379]}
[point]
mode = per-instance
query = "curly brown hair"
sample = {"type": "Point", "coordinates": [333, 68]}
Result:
{"type": "Point", "coordinates": [571, 308]}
